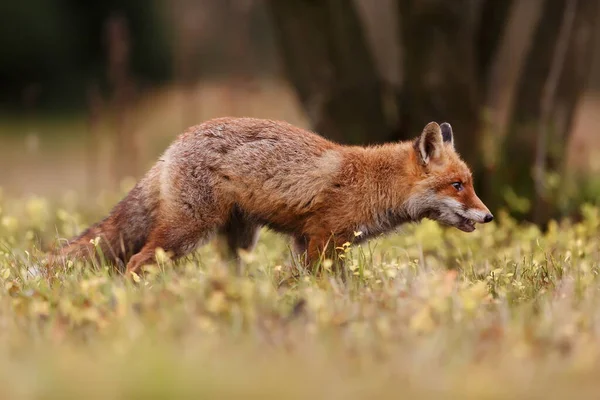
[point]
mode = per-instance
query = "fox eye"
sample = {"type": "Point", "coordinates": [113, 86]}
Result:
{"type": "Point", "coordinates": [457, 185]}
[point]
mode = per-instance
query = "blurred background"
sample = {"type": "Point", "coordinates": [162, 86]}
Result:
{"type": "Point", "coordinates": [92, 92]}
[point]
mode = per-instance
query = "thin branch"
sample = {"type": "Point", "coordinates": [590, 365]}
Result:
{"type": "Point", "coordinates": [548, 94]}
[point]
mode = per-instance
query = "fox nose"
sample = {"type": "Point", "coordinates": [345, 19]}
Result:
{"type": "Point", "coordinates": [488, 218]}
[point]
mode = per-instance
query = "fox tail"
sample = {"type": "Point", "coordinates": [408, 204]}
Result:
{"type": "Point", "coordinates": [119, 235]}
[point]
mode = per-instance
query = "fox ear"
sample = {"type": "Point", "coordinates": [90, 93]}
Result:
{"type": "Point", "coordinates": [429, 144]}
{"type": "Point", "coordinates": [447, 134]}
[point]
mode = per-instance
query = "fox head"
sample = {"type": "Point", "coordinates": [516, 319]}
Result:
{"type": "Point", "coordinates": [444, 189]}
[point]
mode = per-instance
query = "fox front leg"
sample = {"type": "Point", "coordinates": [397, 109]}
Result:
{"type": "Point", "coordinates": [325, 248]}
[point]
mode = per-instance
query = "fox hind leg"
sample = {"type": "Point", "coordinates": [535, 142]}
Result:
{"type": "Point", "coordinates": [179, 241]}
{"type": "Point", "coordinates": [300, 248]}
{"type": "Point", "coordinates": [241, 233]}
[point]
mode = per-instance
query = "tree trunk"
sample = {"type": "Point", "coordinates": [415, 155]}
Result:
{"type": "Point", "coordinates": [440, 69]}
{"type": "Point", "coordinates": [506, 64]}
{"type": "Point", "coordinates": [328, 62]}
{"type": "Point", "coordinates": [500, 84]}
{"type": "Point", "coordinates": [492, 23]}
{"type": "Point", "coordinates": [557, 120]}
{"type": "Point", "coordinates": [552, 82]}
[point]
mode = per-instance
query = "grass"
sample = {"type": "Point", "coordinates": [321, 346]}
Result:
{"type": "Point", "coordinates": [503, 312]}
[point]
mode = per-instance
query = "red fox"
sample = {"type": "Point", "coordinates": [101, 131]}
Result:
{"type": "Point", "coordinates": [232, 176]}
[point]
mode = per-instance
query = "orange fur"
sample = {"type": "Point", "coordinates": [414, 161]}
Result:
{"type": "Point", "coordinates": [232, 176]}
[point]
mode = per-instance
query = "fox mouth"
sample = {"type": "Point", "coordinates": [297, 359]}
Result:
{"type": "Point", "coordinates": [465, 224]}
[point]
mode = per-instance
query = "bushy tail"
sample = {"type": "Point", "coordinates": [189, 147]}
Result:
{"type": "Point", "coordinates": [118, 236]}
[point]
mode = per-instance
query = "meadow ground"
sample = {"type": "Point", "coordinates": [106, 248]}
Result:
{"type": "Point", "coordinates": [503, 312]}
